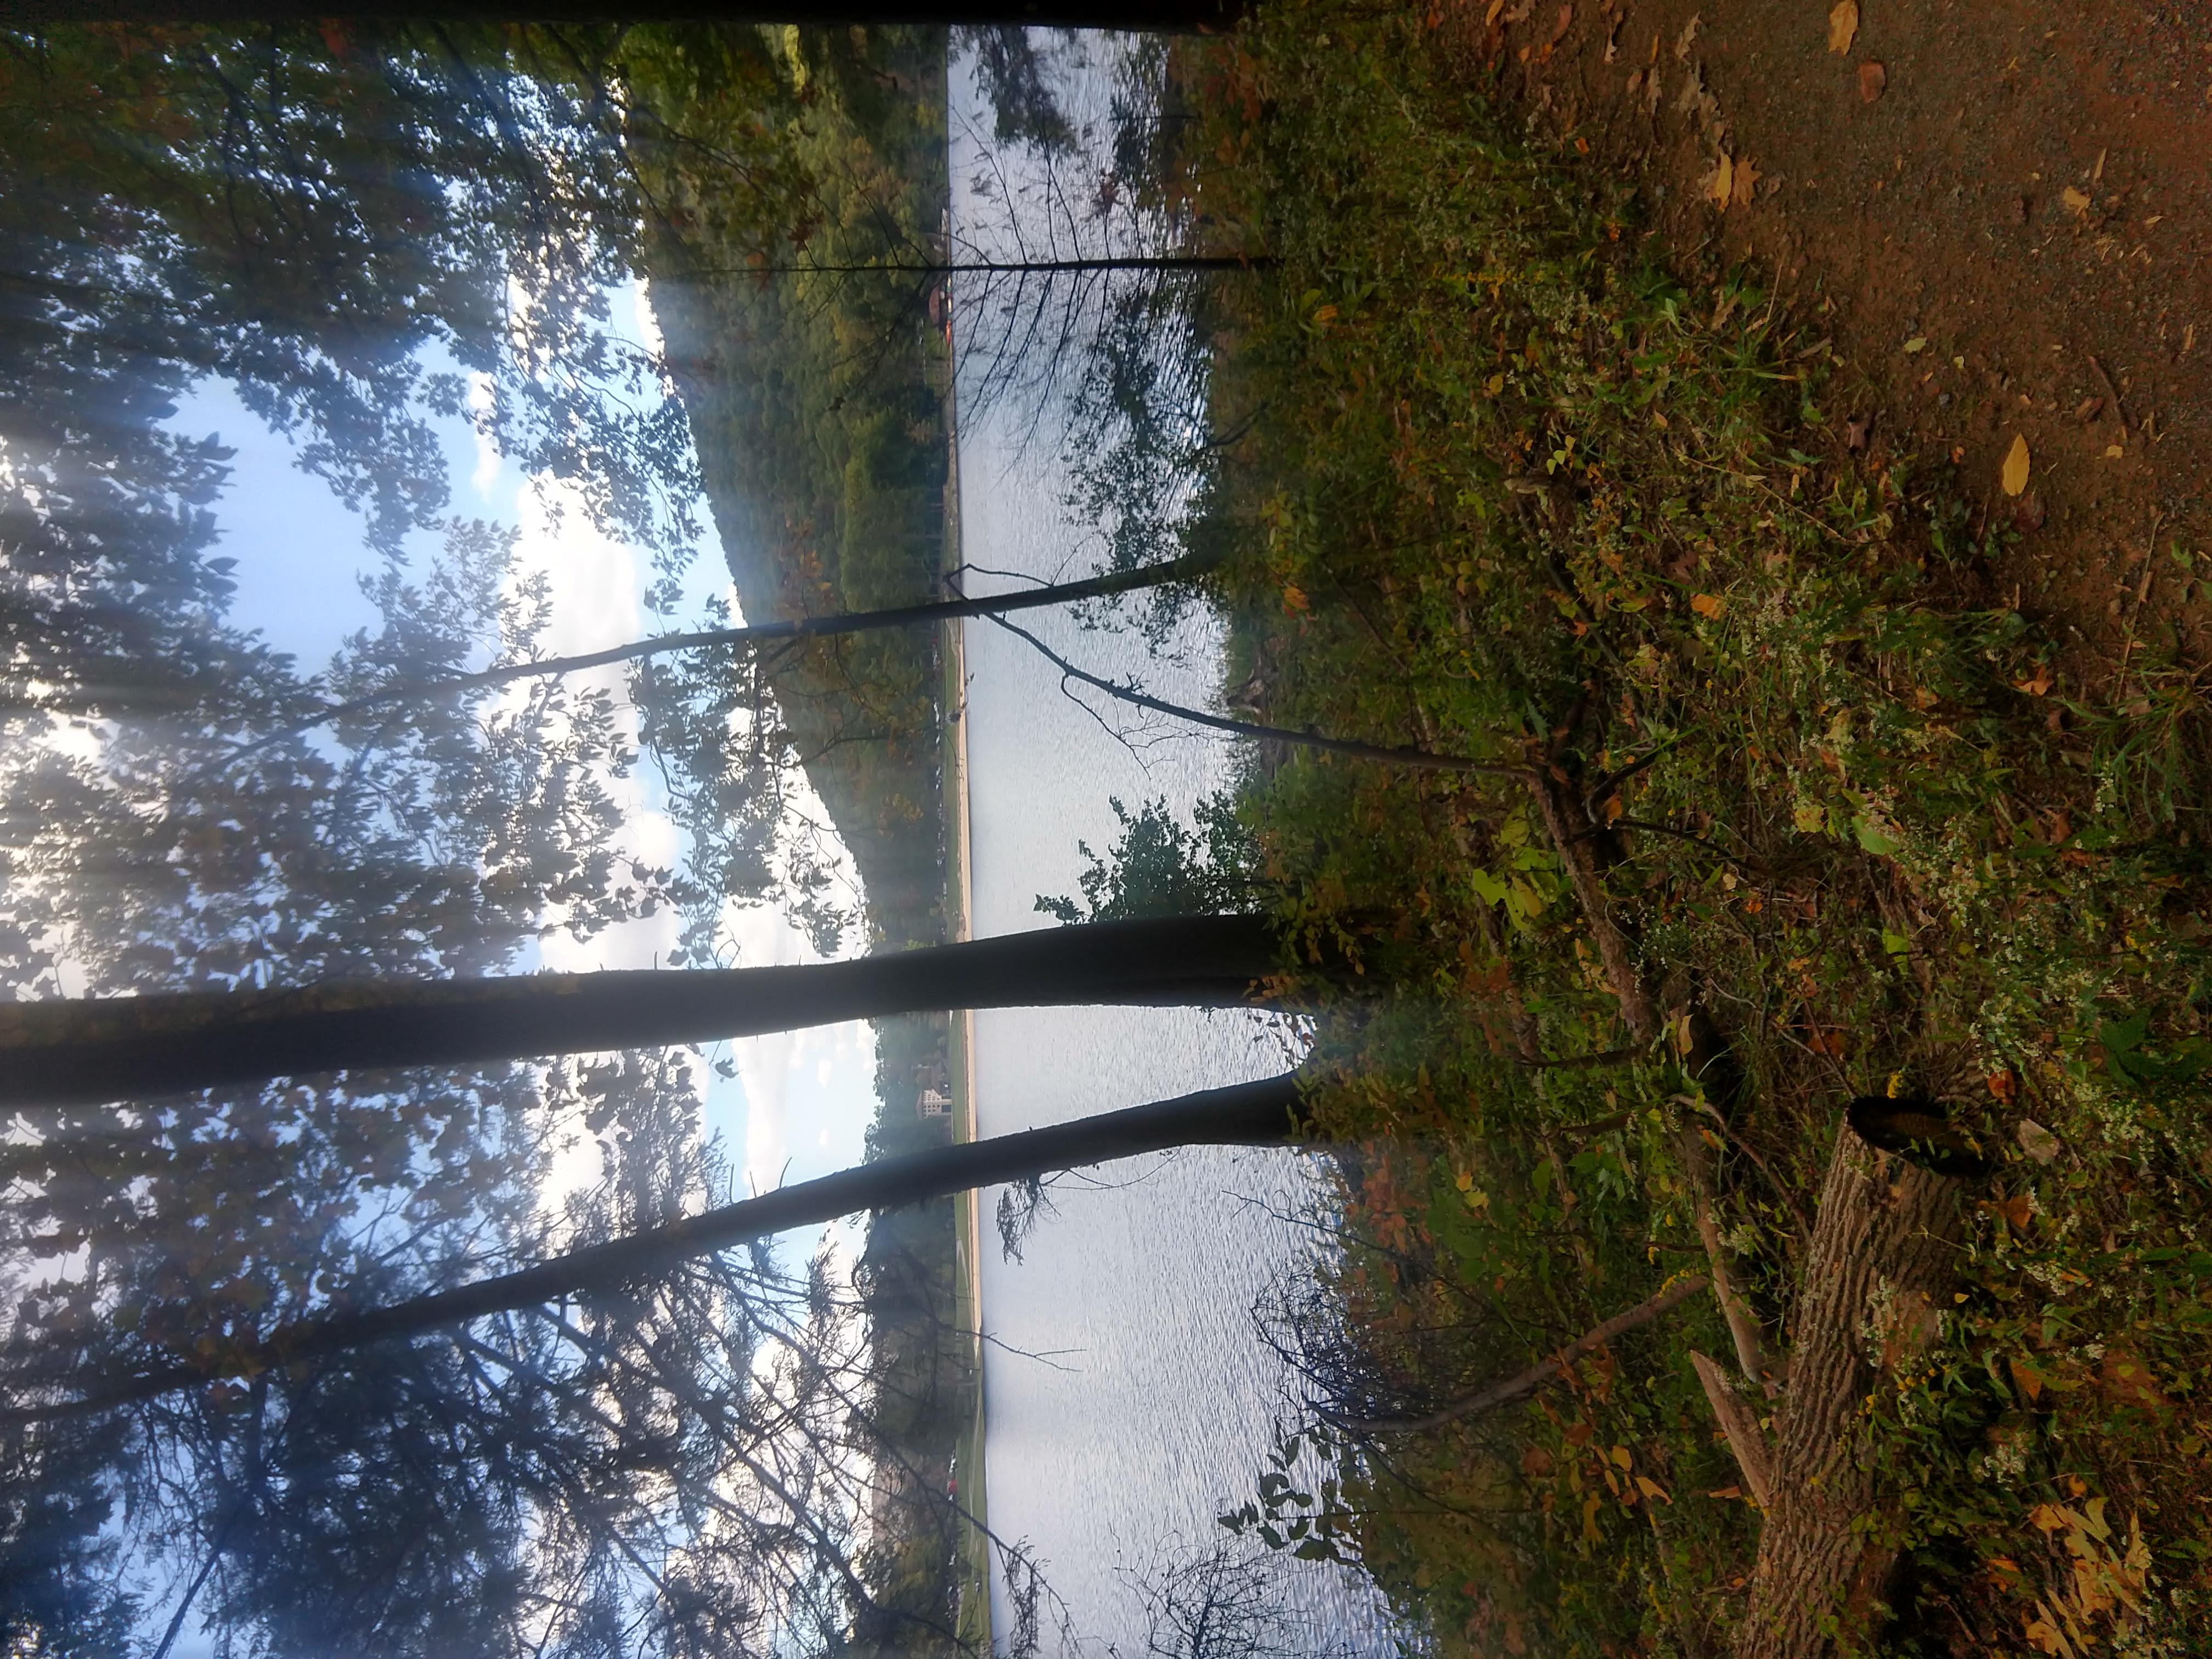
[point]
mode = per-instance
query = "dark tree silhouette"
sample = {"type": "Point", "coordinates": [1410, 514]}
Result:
{"type": "Point", "coordinates": [1263, 1113]}
{"type": "Point", "coordinates": [63, 1051]}
{"type": "Point", "coordinates": [1185, 568]}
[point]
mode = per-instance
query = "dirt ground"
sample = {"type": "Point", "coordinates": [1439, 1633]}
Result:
{"type": "Point", "coordinates": [1999, 209]}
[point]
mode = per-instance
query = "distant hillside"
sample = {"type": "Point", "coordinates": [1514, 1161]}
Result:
{"type": "Point", "coordinates": [815, 405]}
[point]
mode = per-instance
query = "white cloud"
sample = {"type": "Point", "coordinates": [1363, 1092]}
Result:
{"type": "Point", "coordinates": [483, 400]}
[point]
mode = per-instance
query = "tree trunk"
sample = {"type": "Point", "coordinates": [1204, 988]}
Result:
{"type": "Point", "coordinates": [1174, 16]}
{"type": "Point", "coordinates": [1186, 568]}
{"type": "Point", "coordinates": [1883, 1260]}
{"type": "Point", "coordinates": [75, 1053]}
{"type": "Point", "coordinates": [1264, 1113]}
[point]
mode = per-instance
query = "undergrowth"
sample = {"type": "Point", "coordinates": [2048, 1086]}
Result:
{"type": "Point", "coordinates": [1512, 490]}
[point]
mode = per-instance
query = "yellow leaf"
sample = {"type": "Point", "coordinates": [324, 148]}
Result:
{"type": "Point", "coordinates": [1811, 818]}
{"type": "Point", "coordinates": [1723, 182]}
{"type": "Point", "coordinates": [1620, 1457]}
{"type": "Point", "coordinates": [1842, 25]}
{"type": "Point", "coordinates": [1325, 315]}
{"type": "Point", "coordinates": [2014, 477]}
{"type": "Point", "coordinates": [2076, 203]}
{"type": "Point", "coordinates": [1708, 605]}
{"type": "Point", "coordinates": [1294, 598]}
{"type": "Point", "coordinates": [1652, 1489]}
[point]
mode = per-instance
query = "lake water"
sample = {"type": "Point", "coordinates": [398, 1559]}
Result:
{"type": "Point", "coordinates": [1129, 1399]}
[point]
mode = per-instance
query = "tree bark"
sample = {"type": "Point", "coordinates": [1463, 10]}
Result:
{"type": "Point", "coordinates": [1265, 1113]}
{"type": "Point", "coordinates": [80, 1052]}
{"type": "Point", "coordinates": [1171, 16]}
{"type": "Point", "coordinates": [1884, 1258]}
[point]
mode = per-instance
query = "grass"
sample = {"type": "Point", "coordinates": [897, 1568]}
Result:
{"type": "Point", "coordinates": [1512, 489]}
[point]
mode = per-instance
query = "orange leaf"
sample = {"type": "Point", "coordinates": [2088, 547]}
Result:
{"type": "Point", "coordinates": [1872, 79]}
{"type": "Point", "coordinates": [1709, 606]}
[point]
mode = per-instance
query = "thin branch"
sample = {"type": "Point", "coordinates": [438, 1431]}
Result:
{"type": "Point", "coordinates": [1392, 755]}
{"type": "Point", "coordinates": [1500, 1393]}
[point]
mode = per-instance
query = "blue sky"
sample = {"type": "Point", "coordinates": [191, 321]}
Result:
{"type": "Point", "coordinates": [800, 1103]}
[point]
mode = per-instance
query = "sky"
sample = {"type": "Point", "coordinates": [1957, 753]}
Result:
{"type": "Point", "coordinates": [800, 1103]}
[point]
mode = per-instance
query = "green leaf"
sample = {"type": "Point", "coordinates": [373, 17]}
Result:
{"type": "Point", "coordinates": [1875, 840]}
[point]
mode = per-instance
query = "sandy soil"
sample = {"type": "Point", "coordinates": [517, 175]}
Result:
{"type": "Point", "coordinates": [1999, 209]}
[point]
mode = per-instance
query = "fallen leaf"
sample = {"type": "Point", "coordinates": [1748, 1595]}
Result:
{"type": "Point", "coordinates": [2028, 512]}
{"type": "Point", "coordinates": [2097, 173]}
{"type": "Point", "coordinates": [2038, 1142]}
{"type": "Point", "coordinates": [1709, 606]}
{"type": "Point", "coordinates": [1682, 40]}
{"type": "Point", "coordinates": [1917, 344]}
{"type": "Point", "coordinates": [1559, 29]}
{"type": "Point", "coordinates": [1746, 181]}
{"type": "Point", "coordinates": [2030, 1385]}
{"type": "Point", "coordinates": [1651, 1488]}
{"type": "Point", "coordinates": [2014, 477]}
{"type": "Point", "coordinates": [1842, 25]}
{"type": "Point", "coordinates": [2076, 203]}
{"type": "Point", "coordinates": [2039, 683]}
{"type": "Point", "coordinates": [1872, 79]}
{"type": "Point", "coordinates": [1855, 430]}
{"type": "Point", "coordinates": [2113, 451]}
{"type": "Point", "coordinates": [1722, 184]}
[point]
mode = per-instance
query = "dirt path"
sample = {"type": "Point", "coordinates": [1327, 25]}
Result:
{"type": "Point", "coordinates": [1999, 210]}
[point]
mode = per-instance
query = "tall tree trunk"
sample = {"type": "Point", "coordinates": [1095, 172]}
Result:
{"type": "Point", "coordinates": [1264, 1113]}
{"type": "Point", "coordinates": [1186, 568]}
{"type": "Point", "coordinates": [1174, 16]}
{"type": "Point", "coordinates": [1884, 1258]}
{"type": "Point", "coordinates": [80, 1052]}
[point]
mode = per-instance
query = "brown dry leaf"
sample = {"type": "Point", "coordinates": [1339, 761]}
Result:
{"type": "Point", "coordinates": [1746, 181]}
{"type": "Point", "coordinates": [1722, 185]}
{"type": "Point", "coordinates": [1842, 25]}
{"type": "Point", "coordinates": [1559, 29]}
{"type": "Point", "coordinates": [2076, 203]}
{"type": "Point", "coordinates": [2014, 477]}
{"type": "Point", "coordinates": [2037, 682]}
{"type": "Point", "coordinates": [1682, 40]}
{"type": "Point", "coordinates": [1873, 77]}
